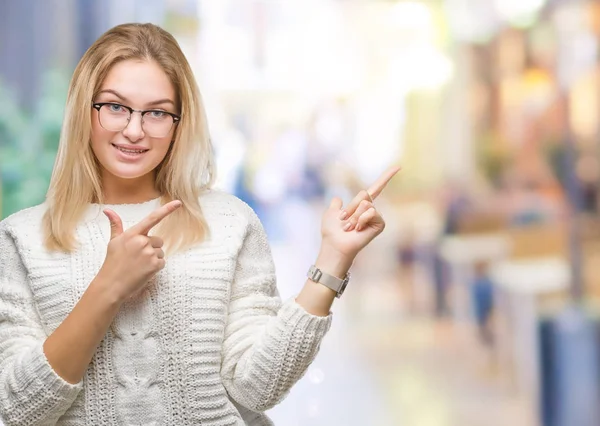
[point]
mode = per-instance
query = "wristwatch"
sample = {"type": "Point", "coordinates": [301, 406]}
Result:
{"type": "Point", "coordinates": [334, 283]}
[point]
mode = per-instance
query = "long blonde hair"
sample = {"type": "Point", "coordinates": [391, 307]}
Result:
{"type": "Point", "coordinates": [186, 171]}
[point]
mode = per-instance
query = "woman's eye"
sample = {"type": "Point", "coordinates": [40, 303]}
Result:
{"type": "Point", "coordinates": [157, 114]}
{"type": "Point", "coordinates": [116, 108]}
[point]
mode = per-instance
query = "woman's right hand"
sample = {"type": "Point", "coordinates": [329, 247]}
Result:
{"type": "Point", "coordinates": [133, 257]}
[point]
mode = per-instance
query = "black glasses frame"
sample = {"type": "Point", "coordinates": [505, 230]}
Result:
{"type": "Point", "coordinates": [98, 105]}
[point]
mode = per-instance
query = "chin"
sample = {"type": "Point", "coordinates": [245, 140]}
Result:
{"type": "Point", "coordinates": [121, 172]}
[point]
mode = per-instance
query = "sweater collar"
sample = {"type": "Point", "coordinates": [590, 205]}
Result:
{"type": "Point", "coordinates": [127, 212]}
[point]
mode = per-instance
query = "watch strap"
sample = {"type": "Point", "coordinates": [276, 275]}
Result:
{"type": "Point", "coordinates": [334, 283]}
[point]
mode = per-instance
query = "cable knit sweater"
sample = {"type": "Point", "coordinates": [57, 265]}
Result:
{"type": "Point", "coordinates": [208, 343]}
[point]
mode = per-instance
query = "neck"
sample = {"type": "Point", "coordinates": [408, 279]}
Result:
{"type": "Point", "coordinates": [129, 191]}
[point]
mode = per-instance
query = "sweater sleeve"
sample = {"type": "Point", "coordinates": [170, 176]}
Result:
{"type": "Point", "coordinates": [31, 391]}
{"type": "Point", "coordinates": [268, 345]}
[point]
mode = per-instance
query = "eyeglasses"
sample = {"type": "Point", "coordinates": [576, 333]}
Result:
{"type": "Point", "coordinates": [115, 117]}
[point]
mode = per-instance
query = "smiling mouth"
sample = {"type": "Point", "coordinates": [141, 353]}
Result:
{"type": "Point", "coordinates": [130, 151]}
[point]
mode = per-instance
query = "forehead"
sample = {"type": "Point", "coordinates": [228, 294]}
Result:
{"type": "Point", "coordinates": [139, 81]}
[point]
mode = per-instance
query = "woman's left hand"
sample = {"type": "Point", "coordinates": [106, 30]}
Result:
{"type": "Point", "coordinates": [347, 230]}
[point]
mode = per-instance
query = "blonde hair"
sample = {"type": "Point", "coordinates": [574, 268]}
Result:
{"type": "Point", "coordinates": [186, 171]}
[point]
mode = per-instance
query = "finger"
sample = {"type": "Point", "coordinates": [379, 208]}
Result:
{"type": "Point", "coordinates": [336, 203]}
{"type": "Point", "coordinates": [366, 218]}
{"type": "Point", "coordinates": [155, 217]}
{"type": "Point", "coordinates": [116, 225]}
{"type": "Point", "coordinates": [353, 205]}
{"type": "Point", "coordinates": [159, 253]}
{"type": "Point", "coordinates": [353, 220]}
{"type": "Point", "coordinates": [375, 189]}
{"type": "Point", "coordinates": [156, 242]}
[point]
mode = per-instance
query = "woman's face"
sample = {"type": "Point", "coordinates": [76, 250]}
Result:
{"type": "Point", "coordinates": [133, 149]}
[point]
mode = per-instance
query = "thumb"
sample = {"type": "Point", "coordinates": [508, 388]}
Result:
{"type": "Point", "coordinates": [116, 226]}
{"type": "Point", "coordinates": [336, 203]}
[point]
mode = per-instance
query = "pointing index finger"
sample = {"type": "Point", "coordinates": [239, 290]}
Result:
{"type": "Point", "coordinates": [155, 217]}
{"type": "Point", "coordinates": [381, 182]}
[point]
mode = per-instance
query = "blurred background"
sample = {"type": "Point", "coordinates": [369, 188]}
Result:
{"type": "Point", "coordinates": [478, 304]}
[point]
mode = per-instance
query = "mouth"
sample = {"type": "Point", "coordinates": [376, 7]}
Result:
{"type": "Point", "coordinates": [132, 152]}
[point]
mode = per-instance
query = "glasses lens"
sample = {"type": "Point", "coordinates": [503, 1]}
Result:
{"type": "Point", "coordinates": [157, 124]}
{"type": "Point", "coordinates": [115, 118]}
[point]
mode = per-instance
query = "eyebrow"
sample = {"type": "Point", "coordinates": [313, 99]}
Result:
{"type": "Point", "coordinates": [124, 99]}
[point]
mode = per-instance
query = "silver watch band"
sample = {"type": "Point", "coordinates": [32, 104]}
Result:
{"type": "Point", "coordinates": [336, 284]}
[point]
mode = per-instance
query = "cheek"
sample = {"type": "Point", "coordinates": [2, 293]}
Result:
{"type": "Point", "coordinates": [165, 143]}
{"type": "Point", "coordinates": [161, 148]}
{"type": "Point", "coordinates": [99, 135]}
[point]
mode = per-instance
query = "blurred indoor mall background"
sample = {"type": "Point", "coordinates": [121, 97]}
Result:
{"type": "Point", "coordinates": [478, 304]}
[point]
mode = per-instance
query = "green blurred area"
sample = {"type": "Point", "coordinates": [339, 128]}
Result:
{"type": "Point", "coordinates": [28, 143]}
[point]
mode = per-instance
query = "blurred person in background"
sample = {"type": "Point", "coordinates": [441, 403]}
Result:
{"type": "Point", "coordinates": [407, 253]}
{"type": "Point", "coordinates": [95, 326]}
{"type": "Point", "coordinates": [455, 205]}
{"type": "Point", "coordinates": [482, 297]}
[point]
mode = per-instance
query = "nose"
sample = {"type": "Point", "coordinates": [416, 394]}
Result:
{"type": "Point", "coordinates": [134, 130]}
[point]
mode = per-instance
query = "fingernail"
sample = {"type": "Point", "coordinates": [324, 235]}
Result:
{"type": "Point", "coordinates": [347, 226]}
{"type": "Point", "coordinates": [343, 214]}
{"type": "Point", "coordinates": [358, 228]}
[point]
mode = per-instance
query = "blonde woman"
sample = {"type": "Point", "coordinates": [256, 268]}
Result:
{"type": "Point", "coordinates": [136, 294]}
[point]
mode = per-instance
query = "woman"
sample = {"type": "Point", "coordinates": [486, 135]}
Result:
{"type": "Point", "coordinates": [96, 326]}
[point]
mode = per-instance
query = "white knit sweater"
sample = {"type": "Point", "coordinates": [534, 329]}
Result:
{"type": "Point", "coordinates": [209, 342]}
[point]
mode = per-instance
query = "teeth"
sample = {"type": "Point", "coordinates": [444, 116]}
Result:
{"type": "Point", "coordinates": [130, 151]}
